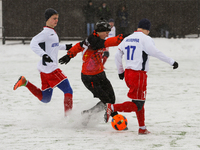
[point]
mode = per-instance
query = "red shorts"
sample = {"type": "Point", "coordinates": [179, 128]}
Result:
{"type": "Point", "coordinates": [50, 80]}
{"type": "Point", "coordinates": [137, 83]}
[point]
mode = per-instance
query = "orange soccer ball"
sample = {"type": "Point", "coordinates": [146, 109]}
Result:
{"type": "Point", "coordinates": [119, 122]}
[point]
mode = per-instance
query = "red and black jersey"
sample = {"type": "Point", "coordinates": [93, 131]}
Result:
{"type": "Point", "coordinates": [92, 50]}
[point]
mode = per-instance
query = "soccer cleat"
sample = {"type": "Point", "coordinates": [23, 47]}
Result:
{"type": "Point", "coordinates": [21, 82]}
{"type": "Point", "coordinates": [145, 131]}
{"type": "Point", "coordinates": [108, 112]}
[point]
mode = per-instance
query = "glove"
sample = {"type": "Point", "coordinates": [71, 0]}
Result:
{"type": "Point", "coordinates": [46, 58]}
{"type": "Point", "coordinates": [64, 60]}
{"type": "Point", "coordinates": [121, 76]}
{"type": "Point", "coordinates": [68, 46]}
{"type": "Point", "coordinates": [175, 65]}
{"type": "Point", "coordinates": [125, 35]}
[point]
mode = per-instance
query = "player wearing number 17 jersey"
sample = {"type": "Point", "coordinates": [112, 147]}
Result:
{"type": "Point", "coordinates": [136, 49]}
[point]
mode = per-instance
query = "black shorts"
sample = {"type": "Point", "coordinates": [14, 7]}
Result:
{"type": "Point", "coordinates": [100, 86]}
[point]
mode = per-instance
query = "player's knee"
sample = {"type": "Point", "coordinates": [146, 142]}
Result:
{"type": "Point", "coordinates": [65, 86]}
{"type": "Point", "coordinates": [106, 54]}
{"type": "Point", "coordinates": [46, 99]}
{"type": "Point", "coordinates": [46, 95]}
{"type": "Point", "coordinates": [139, 104]}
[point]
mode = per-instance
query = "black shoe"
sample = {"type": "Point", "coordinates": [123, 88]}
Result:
{"type": "Point", "coordinates": [86, 115]}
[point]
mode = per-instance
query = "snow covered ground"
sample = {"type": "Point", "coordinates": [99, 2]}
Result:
{"type": "Point", "coordinates": [172, 105]}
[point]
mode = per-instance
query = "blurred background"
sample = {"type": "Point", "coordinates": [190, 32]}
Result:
{"type": "Point", "coordinates": [22, 19]}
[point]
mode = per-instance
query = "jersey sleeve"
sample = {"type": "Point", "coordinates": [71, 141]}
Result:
{"type": "Point", "coordinates": [118, 59]}
{"type": "Point", "coordinates": [113, 41]}
{"type": "Point", "coordinates": [153, 51]}
{"type": "Point", "coordinates": [62, 47]}
{"type": "Point", "coordinates": [75, 50]}
{"type": "Point", "coordinates": [38, 44]}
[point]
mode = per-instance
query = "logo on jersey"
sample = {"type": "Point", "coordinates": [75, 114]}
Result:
{"type": "Point", "coordinates": [55, 44]}
{"type": "Point", "coordinates": [132, 40]}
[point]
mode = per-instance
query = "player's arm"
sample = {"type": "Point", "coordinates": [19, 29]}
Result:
{"type": "Point", "coordinates": [72, 52]}
{"type": "Point", "coordinates": [153, 51]}
{"type": "Point", "coordinates": [65, 46]}
{"type": "Point", "coordinates": [118, 62]}
{"type": "Point", "coordinates": [38, 46]}
{"type": "Point", "coordinates": [114, 41]}
{"type": "Point", "coordinates": [97, 43]}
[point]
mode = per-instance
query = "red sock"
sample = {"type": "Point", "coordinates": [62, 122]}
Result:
{"type": "Point", "coordinates": [68, 103]}
{"type": "Point", "coordinates": [140, 116]}
{"type": "Point", "coordinates": [125, 107]}
{"type": "Point", "coordinates": [34, 90]}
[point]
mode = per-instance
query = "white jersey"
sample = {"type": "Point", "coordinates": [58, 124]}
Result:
{"type": "Point", "coordinates": [112, 33]}
{"type": "Point", "coordinates": [136, 49]}
{"type": "Point", "coordinates": [47, 42]}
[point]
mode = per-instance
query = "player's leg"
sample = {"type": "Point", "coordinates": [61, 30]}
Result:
{"type": "Point", "coordinates": [124, 107]}
{"type": "Point", "coordinates": [138, 91]}
{"type": "Point", "coordinates": [43, 96]}
{"type": "Point", "coordinates": [141, 121]}
{"type": "Point", "coordinates": [93, 83]}
{"type": "Point", "coordinates": [66, 88]}
{"type": "Point", "coordinates": [57, 78]}
{"type": "Point", "coordinates": [121, 107]}
{"type": "Point", "coordinates": [95, 109]}
{"type": "Point", "coordinates": [108, 89]}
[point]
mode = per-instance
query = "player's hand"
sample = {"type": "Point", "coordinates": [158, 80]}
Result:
{"type": "Point", "coordinates": [64, 60]}
{"type": "Point", "coordinates": [175, 65]}
{"type": "Point", "coordinates": [68, 46]}
{"type": "Point", "coordinates": [121, 76]}
{"type": "Point", "coordinates": [46, 58]}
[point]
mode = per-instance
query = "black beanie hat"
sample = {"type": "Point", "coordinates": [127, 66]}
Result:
{"type": "Point", "coordinates": [102, 25]}
{"type": "Point", "coordinates": [144, 24]}
{"type": "Point", "coordinates": [50, 12]}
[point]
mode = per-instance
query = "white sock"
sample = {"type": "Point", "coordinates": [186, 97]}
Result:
{"type": "Point", "coordinates": [112, 108]}
{"type": "Point", "coordinates": [142, 127]}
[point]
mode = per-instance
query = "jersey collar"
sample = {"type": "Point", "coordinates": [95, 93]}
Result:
{"type": "Point", "coordinates": [49, 28]}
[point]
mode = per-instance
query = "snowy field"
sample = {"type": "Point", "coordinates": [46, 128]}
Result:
{"type": "Point", "coordinates": [172, 104]}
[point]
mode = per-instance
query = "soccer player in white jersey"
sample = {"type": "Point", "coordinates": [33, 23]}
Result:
{"type": "Point", "coordinates": [136, 49]}
{"type": "Point", "coordinates": [112, 33]}
{"type": "Point", "coordinates": [46, 45]}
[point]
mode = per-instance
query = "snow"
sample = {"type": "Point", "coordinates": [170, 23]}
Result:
{"type": "Point", "coordinates": [172, 105]}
